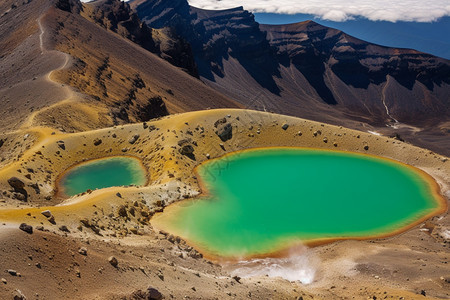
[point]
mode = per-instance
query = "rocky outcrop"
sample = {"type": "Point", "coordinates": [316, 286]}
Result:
{"type": "Point", "coordinates": [19, 188]}
{"type": "Point", "coordinates": [163, 13]}
{"type": "Point", "coordinates": [187, 148]}
{"type": "Point", "coordinates": [310, 47]}
{"type": "Point", "coordinates": [154, 108]}
{"type": "Point", "coordinates": [224, 129]}
{"type": "Point", "coordinates": [215, 36]}
{"type": "Point", "coordinates": [149, 294]}
{"type": "Point", "coordinates": [117, 16]}
{"type": "Point", "coordinates": [72, 6]}
{"type": "Point", "coordinates": [292, 67]}
{"type": "Point", "coordinates": [113, 261]}
{"type": "Point", "coordinates": [233, 32]}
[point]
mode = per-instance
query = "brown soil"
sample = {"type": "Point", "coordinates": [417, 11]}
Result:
{"type": "Point", "coordinates": [402, 265]}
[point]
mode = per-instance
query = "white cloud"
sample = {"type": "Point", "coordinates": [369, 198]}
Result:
{"type": "Point", "coordinates": [341, 10]}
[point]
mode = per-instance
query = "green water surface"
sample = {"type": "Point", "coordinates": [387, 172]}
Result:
{"type": "Point", "coordinates": [103, 173]}
{"type": "Point", "coordinates": [261, 200]}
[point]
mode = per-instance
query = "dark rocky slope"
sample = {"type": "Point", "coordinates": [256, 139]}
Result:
{"type": "Point", "coordinates": [420, 78]}
{"type": "Point", "coordinates": [313, 71]}
{"type": "Point", "coordinates": [118, 17]}
{"type": "Point", "coordinates": [306, 62]}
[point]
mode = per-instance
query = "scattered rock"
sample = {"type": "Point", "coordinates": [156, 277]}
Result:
{"type": "Point", "coordinates": [122, 211]}
{"type": "Point", "coordinates": [237, 278]}
{"type": "Point", "coordinates": [36, 188]}
{"type": "Point", "coordinates": [154, 294]}
{"type": "Point", "coordinates": [18, 295]}
{"type": "Point", "coordinates": [64, 228]}
{"type": "Point", "coordinates": [366, 147]}
{"type": "Point", "coordinates": [195, 254]}
{"type": "Point", "coordinates": [186, 148]}
{"type": "Point", "coordinates": [149, 294]}
{"type": "Point", "coordinates": [285, 126]}
{"type": "Point", "coordinates": [224, 131]}
{"type": "Point", "coordinates": [2, 142]}
{"type": "Point", "coordinates": [325, 140]}
{"type": "Point", "coordinates": [119, 195]}
{"type": "Point", "coordinates": [61, 145]}
{"type": "Point", "coordinates": [19, 196]}
{"type": "Point", "coordinates": [4, 281]}
{"type": "Point", "coordinates": [26, 228]}
{"type": "Point", "coordinates": [97, 142]}
{"type": "Point", "coordinates": [51, 219]}
{"type": "Point", "coordinates": [46, 213]}
{"type": "Point", "coordinates": [12, 272]}
{"type": "Point", "coordinates": [133, 139]}
{"type": "Point", "coordinates": [113, 261]}
{"type": "Point", "coordinates": [160, 275]}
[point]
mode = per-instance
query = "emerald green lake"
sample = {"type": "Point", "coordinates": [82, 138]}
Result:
{"type": "Point", "coordinates": [103, 173]}
{"type": "Point", "coordinates": [261, 201]}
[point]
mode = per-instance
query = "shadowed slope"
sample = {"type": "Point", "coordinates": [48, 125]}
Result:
{"type": "Point", "coordinates": [312, 71]}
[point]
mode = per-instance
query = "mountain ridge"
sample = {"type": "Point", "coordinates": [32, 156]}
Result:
{"type": "Point", "coordinates": [329, 77]}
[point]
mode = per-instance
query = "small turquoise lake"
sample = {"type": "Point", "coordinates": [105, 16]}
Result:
{"type": "Point", "coordinates": [261, 201]}
{"type": "Point", "coordinates": [102, 173]}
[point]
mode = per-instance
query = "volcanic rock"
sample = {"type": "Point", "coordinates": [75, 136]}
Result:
{"type": "Point", "coordinates": [224, 131]}
{"type": "Point", "coordinates": [18, 186]}
{"type": "Point", "coordinates": [26, 228]}
{"type": "Point", "coordinates": [113, 261]}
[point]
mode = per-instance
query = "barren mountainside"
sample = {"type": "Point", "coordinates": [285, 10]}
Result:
{"type": "Point", "coordinates": [103, 68]}
{"type": "Point", "coordinates": [166, 86]}
{"type": "Point", "coordinates": [312, 71]}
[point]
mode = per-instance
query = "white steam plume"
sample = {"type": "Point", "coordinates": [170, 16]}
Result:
{"type": "Point", "coordinates": [300, 265]}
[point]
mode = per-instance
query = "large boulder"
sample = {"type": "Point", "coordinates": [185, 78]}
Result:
{"type": "Point", "coordinates": [16, 183]}
{"type": "Point", "coordinates": [149, 294]}
{"type": "Point", "coordinates": [225, 131]}
{"type": "Point", "coordinates": [27, 228]}
{"type": "Point", "coordinates": [19, 188]}
{"type": "Point", "coordinates": [154, 294]}
{"type": "Point", "coordinates": [187, 148]}
{"type": "Point", "coordinates": [133, 139]}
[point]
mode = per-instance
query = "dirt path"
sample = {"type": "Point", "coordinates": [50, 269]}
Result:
{"type": "Point", "coordinates": [70, 94]}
